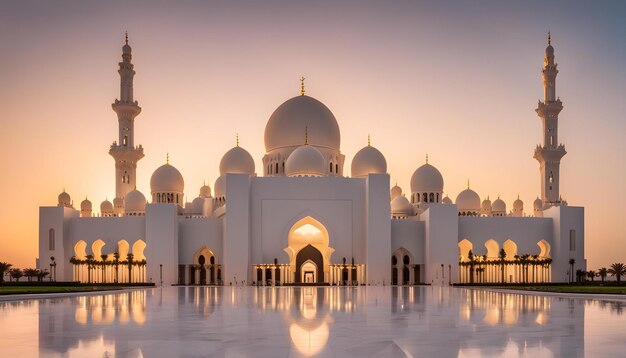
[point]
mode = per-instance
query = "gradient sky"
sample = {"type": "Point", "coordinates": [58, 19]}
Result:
{"type": "Point", "coordinates": [458, 80]}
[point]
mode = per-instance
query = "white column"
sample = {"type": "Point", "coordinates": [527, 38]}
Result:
{"type": "Point", "coordinates": [263, 275]}
{"type": "Point", "coordinates": [273, 275]}
{"type": "Point", "coordinates": [401, 275]}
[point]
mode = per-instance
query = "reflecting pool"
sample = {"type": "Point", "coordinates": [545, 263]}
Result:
{"type": "Point", "coordinates": [329, 322]}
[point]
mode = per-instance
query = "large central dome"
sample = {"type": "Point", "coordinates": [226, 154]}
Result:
{"type": "Point", "coordinates": [286, 126]}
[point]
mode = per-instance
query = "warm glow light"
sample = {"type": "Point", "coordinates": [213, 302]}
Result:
{"type": "Point", "coordinates": [307, 230]}
{"type": "Point", "coordinates": [309, 342]}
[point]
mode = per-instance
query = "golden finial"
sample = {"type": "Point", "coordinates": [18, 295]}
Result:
{"type": "Point", "coordinates": [369, 140]}
{"type": "Point", "coordinates": [237, 139]}
{"type": "Point", "coordinates": [302, 85]}
{"type": "Point", "coordinates": [167, 158]}
{"type": "Point", "coordinates": [468, 184]}
{"type": "Point", "coordinates": [306, 135]}
{"type": "Point", "coordinates": [426, 158]}
{"type": "Point", "coordinates": [126, 37]}
{"type": "Point", "coordinates": [549, 39]}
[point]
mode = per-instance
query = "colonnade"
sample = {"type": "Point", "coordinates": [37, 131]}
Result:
{"type": "Point", "coordinates": [285, 276]}
{"type": "Point", "coordinates": [191, 274]}
{"type": "Point", "coordinates": [353, 278]}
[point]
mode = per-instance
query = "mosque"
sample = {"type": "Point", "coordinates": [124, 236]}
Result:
{"type": "Point", "coordinates": [306, 220]}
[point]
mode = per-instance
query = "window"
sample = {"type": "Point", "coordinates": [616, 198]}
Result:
{"type": "Point", "coordinates": [336, 168]}
{"type": "Point", "coordinates": [551, 178]}
{"type": "Point", "coordinates": [572, 240]}
{"type": "Point", "coordinates": [276, 168]}
{"type": "Point", "coordinates": [425, 197]}
{"type": "Point", "coordinates": [51, 240]}
{"type": "Point", "coordinates": [432, 197]}
{"type": "Point", "coordinates": [331, 167]}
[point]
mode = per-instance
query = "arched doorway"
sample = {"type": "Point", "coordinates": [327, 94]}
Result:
{"type": "Point", "coordinates": [308, 239]}
{"type": "Point", "coordinates": [201, 262]}
{"type": "Point", "coordinates": [309, 263]}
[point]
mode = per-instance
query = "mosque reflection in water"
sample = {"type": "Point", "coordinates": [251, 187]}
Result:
{"type": "Point", "coordinates": [336, 321]}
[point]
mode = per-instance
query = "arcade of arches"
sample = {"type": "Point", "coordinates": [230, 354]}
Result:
{"type": "Point", "coordinates": [205, 270]}
{"type": "Point", "coordinates": [503, 265]}
{"type": "Point", "coordinates": [125, 265]}
{"type": "Point", "coordinates": [404, 271]}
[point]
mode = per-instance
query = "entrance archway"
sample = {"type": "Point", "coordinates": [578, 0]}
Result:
{"type": "Point", "coordinates": [308, 239]}
{"type": "Point", "coordinates": [309, 265]}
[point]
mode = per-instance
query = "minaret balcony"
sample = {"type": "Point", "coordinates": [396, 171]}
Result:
{"type": "Point", "coordinates": [549, 108]}
{"type": "Point", "coordinates": [548, 154]}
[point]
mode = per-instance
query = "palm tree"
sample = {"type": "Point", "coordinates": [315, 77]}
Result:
{"type": "Point", "coordinates": [116, 262]}
{"type": "Point", "coordinates": [571, 269]}
{"type": "Point", "coordinates": [535, 263]}
{"type": "Point", "coordinates": [104, 263]}
{"type": "Point", "coordinates": [591, 274]}
{"type": "Point", "coordinates": [502, 256]}
{"type": "Point", "coordinates": [41, 275]}
{"type": "Point", "coordinates": [16, 274]}
{"type": "Point", "coordinates": [4, 266]}
{"type": "Point", "coordinates": [618, 270]}
{"type": "Point", "coordinates": [603, 272]}
{"type": "Point", "coordinates": [470, 257]}
{"type": "Point", "coordinates": [90, 263]}
{"type": "Point", "coordinates": [30, 273]}
{"type": "Point", "coordinates": [129, 258]}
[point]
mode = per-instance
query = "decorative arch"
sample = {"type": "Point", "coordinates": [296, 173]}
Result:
{"type": "Point", "coordinates": [510, 247]}
{"type": "Point", "coordinates": [80, 250]}
{"type": "Point", "coordinates": [400, 253]}
{"type": "Point", "coordinates": [306, 232]}
{"type": "Point", "coordinates": [96, 249]}
{"type": "Point", "coordinates": [123, 248]}
{"type": "Point", "coordinates": [464, 248]}
{"type": "Point", "coordinates": [545, 248]}
{"type": "Point", "coordinates": [138, 250]}
{"type": "Point", "coordinates": [206, 252]}
{"type": "Point", "coordinates": [493, 249]}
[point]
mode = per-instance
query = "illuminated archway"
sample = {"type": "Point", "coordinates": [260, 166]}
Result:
{"type": "Point", "coordinates": [138, 250]}
{"type": "Point", "coordinates": [309, 232]}
{"type": "Point", "coordinates": [544, 246]}
{"type": "Point", "coordinates": [96, 248]}
{"type": "Point", "coordinates": [80, 250]}
{"type": "Point", "coordinates": [510, 247]}
{"type": "Point", "coordinates": [492, 248]}
{"type": "Point", "coordinates": [464, 248]}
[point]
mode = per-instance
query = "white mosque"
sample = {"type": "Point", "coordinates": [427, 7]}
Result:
{"type": "Point", "coordinates": [306, 220]}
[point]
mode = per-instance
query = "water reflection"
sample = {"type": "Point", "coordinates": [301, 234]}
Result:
{"type": "Point", "coordinates": [329, 321]}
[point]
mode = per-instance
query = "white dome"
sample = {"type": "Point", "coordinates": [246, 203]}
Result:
{"type": "Point", "coordinates": [64, 199]}
{"type": "Point", "coordinates": [498, 206]}
{"type": "Point", "coordinates": [468, 201]}
{"type": "Point", "coordinates": [167, 179]}
{"type": "Point", "coordinates": [197, 205]}
{"type": "Point", "coordinates": [395, 192]}
{"type": "Point", "coordinates": [401, 206]}
{"type": "Point", "coordinates": [446, 200]}
{"type": "Point", "coordinates": [426, 179]}
{"type": "Point", "coordinates": [220, 186]}
{"type": "Point", "coordinates": [286, 125]}
{"type": "Point", "coordinates": [237, 161]}
{"type": "Point", "coordinates": [305, 161]}
{"type": "Point", "coordinates": [518, 204]}
{"type": "Point", "coordinates": [205, 191]}
{"type": "Point", "coordinates": [486, 205]}
{"type": "Point", "coordinates": [134, 202]}
{"type": "Point", "coordinates": [368, 160]}
{"type": "Point", "coordinates": [106, 207]}
{"type": "Point", "coordinates": [537, 204]}
{"type": "Point", "coordinates": [85, 205]}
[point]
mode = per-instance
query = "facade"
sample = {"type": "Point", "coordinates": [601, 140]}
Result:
{"type": "Point", "coordinates": [305, 221]}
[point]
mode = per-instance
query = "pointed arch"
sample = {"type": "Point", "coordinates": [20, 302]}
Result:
{"type": "Point", "coordinates": [464, 248]}
{"type": "Point", "coordinates": [206, 252]}
{"type": "Point", "coordinates": [123, 248]}
{"type": "Point", "coordinates": [138, 250]}
{"type": "Point", "coordinates": [510, 247]}
{"type": "Point", "coordinates": [493, 249]}
{"type": "Point", "coordinates": [80, 249]}
{"type": "Point", "coordinates": [96, 249]}
{"type": "Point", "coordinates": [545, 248]}
{"type": "Point", "coordinates": [305, 232]}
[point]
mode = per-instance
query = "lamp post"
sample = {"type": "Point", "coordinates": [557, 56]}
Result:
{"type": "Point", "coordinates": [161, 274]}
{"type": "Point", "coordinates": [449, 275]}
{"type": "Point", "coordinates": [443, 274]}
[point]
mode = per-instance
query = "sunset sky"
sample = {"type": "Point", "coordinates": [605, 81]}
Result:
{"type": "Point", "coordinates": [458, 80]}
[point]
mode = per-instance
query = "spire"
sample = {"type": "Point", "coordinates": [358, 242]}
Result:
{"type": "Point", "coordinates": [237, 140]}
{"type": "Point", "coordinates": [426, 158]}
{"type": "Point", "coordinates": [306, 135]}
{"type": "Point", "coordinates": [167, 158]}
{"type": "Point", "coordinates": [369, 140]}
{"type": "Point", "coordinates": [302, 85]}
{"type": "Point", "coordinates": [126, 37]}
{"type": "Point", "coordinates": [549, 39]}
{"type": "Point", "coordinates": [468, 183]}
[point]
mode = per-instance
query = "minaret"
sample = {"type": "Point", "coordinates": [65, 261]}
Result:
{"type": "Point", "coordinates": [125, 153]}
{"type": "Point", "coordinates": [550, 153]}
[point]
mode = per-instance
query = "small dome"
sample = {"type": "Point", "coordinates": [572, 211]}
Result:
{"type": "Point", "coordinates": [197, 205]}
{"type": "Point", "coordinates": [446, 200]}
{"type": "Point", "coordinates": [486, 205]}
{"type": "Point", "coordinates": [305, 161]}
{"type": "Point", "coordinates": [468, 201]}
{"type": "Point", "coordinates": [401, 206]}
{"type": "Point", "coordinates": [134, 202]}
{"type": "Point", "coordinates": [237, 161]}
{"type": "Point", "coordinates": [167, 179]}
{"type": "Point", "coordinates": [395, 192]}
{"type": "Point", "coordinates": [498, 206]}
{"type": "Point", "coordinates": [220, 186]}
{"type": "Point", "coordinates": [518, 204]}
{"type": "Point", "coordinates": [426, 179]}
{"type": "Point", "coordinates": [205, 191]}
{"type": "Point", "coordinates": [85, 205]}
{"type": "Point", "coordinates": [64, 199]}
{"type": "Point", "coordinates": [538, 204]}
{"type": "Point", "coordinates": [287, 125]}
{"type": "Point", "coordinates": [550, 50]}
{"type": "Point", "coordinates": [106, 207]}
{"type": "Point", "coordinates": [368, 160]}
